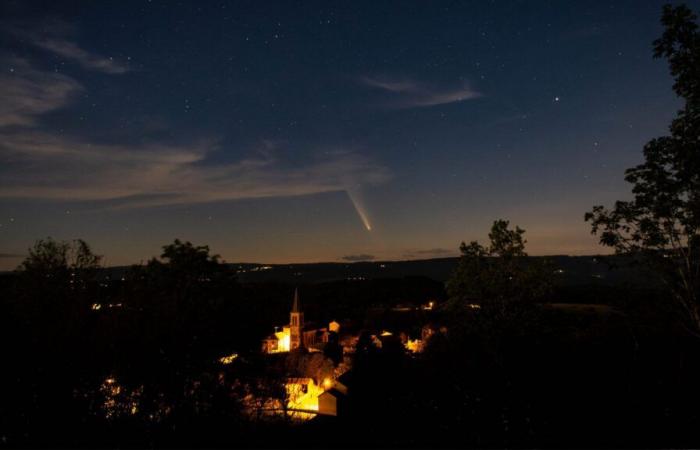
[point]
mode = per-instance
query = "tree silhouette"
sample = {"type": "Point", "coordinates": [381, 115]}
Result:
{"type": "Point", "coordinates": [492, 294]}
{"type": "Point", "coordinates": [496, 277]}
{"type": "Point", "coordinates": [59, 277]}
{"type": "Point", "coordinates": [51, 259]}
{"type": "Point", "coordinates": [188, 295]}
{"type": "Point", "coordinates": [662, 222]}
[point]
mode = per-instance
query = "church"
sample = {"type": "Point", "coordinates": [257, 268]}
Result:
{"type": "Point", "coordinates": [297, 334]}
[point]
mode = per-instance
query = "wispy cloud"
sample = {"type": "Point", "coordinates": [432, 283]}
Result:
{"type": "Point", "coordinates": [358, 258]}
{"type": "Point", "coordinates": [28, 93]}
{"type": "Point", "coordinates": [54, 36]}
{"type": "Point", "coordinates": [431, 253]}
{"type": "Point", "coordinates": [39, 163]}
{"type": "Point", "coordinates": [391, 85]}
{"type": "Point", "coordinates": [52, 167]}
{"type": "Point", "coordinates": [406, 93]}
{"type": "Point", "coordinates": [70, 50]}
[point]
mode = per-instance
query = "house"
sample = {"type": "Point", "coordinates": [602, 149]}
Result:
{"type": "Point", "coordinates": [302, 394]}
{"type": "Point", "coordinates": [331, 402]}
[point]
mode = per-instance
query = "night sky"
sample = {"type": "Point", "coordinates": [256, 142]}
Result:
{"type": "Point", "coordinates": [320, 131]}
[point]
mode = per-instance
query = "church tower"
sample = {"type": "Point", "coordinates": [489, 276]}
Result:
{"type": "Point", "coordinates": [296, 324]}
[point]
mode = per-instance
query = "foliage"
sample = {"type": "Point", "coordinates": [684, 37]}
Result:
{"type": "Point", "coordinates": [333, 350]}
{"type": "Point", "coordinates": [662, 222]}
{"type": "Point", "coordinates": [497, 277]}
{"type": "Point", "coordinates": [192, 263]}
{"type": "Point", "coordinates": [60, 261]}
{"type": "Point", "coordinates": [59, 277]}
{"type": "Point", "coordinates": [545, 392]}
{"type": "Point", "coordinates": [308, 365]}
{"type": "Point", "coordinates": [187, 276]}
{"type": "Point", "coordinates": [186, 271]}
{"type": "Point", "coordinates": [186, 297]}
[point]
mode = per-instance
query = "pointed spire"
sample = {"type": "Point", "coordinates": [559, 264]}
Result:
{"type": "Point", "coordinates": [295, 305]}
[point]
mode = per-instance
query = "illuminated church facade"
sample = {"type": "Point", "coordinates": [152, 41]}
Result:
{"type": "Point", "coordinates": [297, 335]}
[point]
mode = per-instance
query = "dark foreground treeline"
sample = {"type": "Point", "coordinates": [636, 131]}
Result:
{"type": "Point", "coordinates": [158, 331]}
{"type": "Point", "coordinates": [619, 373]}
{"type": "Point", "coordinates": [572, 378]}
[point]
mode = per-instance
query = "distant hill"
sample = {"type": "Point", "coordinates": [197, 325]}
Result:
{"type": "Point", "coordinates": [436, 269]}
{"type": "Point", "coordinates": [568, 270]}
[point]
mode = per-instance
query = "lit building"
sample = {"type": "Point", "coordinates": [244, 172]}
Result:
{"type": "Point", "coordinates": [414, 345]}
{"type": "Point", "coordinates": [298, 334]}
{"type": "Point", "coordinates": [330, 401]}
{"type": "Point", "coordinates": [303, 395]}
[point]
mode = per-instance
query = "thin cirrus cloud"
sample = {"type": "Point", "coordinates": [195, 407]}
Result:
{"type": "Point", "coordinates": [54, 37]}
{"type": "Point", "coordinates": [41, 164]}
{"type": "Point", "coordinates": [406, 93]}
{"type": "Point", "coordinates": [358, 258]}
{"type": "Point", "coordinates": [91, 61]}
{"type": "Point", "coordinates": [431, 253]}
{"type": "Point", "coordinates": [28, 93]}
{"type": "Point", "coordinates": [57, 168]}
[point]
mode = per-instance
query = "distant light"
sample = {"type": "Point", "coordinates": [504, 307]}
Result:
{"type": "Point", "coordinates": [327, 383]}
{"type": "Point", "coordinates": [414, 345]}
{"type": "Point", "coordinates": [228, 359]}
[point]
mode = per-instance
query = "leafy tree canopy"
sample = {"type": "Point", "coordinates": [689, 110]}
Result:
{"type": "Point", "coordinates": [662, 222]}
{"type": "Point", "coordinates": [50, 257]}
{"type": "Point", "coordinates": [497, 277]}
{"type": "Point", "coordinates": [54, 266]}
{"type": "Point", "coordinates": [185, 268]}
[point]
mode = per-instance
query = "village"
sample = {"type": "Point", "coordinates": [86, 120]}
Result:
{"type": "Point", "coordinates": [319, 359]}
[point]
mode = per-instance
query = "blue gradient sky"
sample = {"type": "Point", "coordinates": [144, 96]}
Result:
{"type": "Point", "coordinates": [250, 126]}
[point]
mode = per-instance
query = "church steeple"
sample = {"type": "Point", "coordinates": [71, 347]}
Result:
{"type": "Point", "coordinates": [295, 305]}
{"type": "Point", "coordinates": [296, 323]}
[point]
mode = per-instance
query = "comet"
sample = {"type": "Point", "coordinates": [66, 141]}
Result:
{"type": "Point", "coordinates": [359, 208]}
